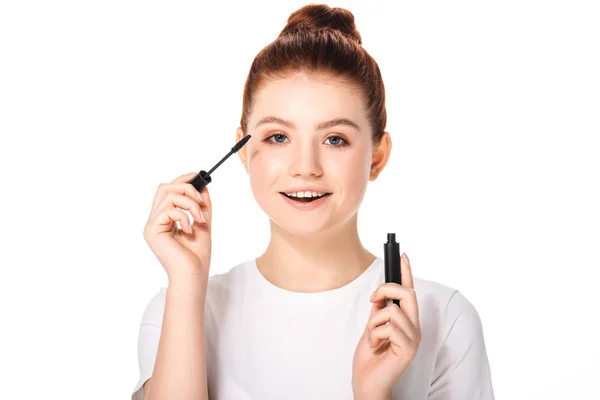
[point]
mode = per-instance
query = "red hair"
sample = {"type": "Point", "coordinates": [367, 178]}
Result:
{"type": "Point", "coordinates": [318, 38]}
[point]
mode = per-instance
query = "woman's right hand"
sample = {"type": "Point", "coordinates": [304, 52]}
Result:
{"type": "Point", "coordinates": [182, 252]}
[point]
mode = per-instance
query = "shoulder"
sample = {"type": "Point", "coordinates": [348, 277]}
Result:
{"type": "Point", "coordinates": [451, 301]}
{"type": "Point", "coordinates": [453, 315]}
{"type": "Point", "coordinates": [224, 289]}
{"type": "Point", "coordinates": [447, 308]}
{"type": "Point", "coordinates": [432, 294]}
{"type": "Point", "coordinates": [221, 285]}
{"type": "Point", "coordinates": [462, 319]}
{"type": "Point", "coordinates": [153, 313]}
{"type": "Point", "coordinates": [218, 289]}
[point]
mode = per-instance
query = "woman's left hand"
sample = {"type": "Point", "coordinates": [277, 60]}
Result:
{"type": "Point", "coordinates": [385, 350]}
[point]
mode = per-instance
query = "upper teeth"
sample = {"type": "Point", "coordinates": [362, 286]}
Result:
{"type": "Point", "coordinates": [305, 194]}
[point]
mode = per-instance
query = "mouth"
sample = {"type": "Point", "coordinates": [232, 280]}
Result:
{"type": "Point", "coordinates": [305, 199]}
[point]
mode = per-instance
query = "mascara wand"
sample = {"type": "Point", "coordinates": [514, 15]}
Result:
{"type": "Point", "coordinates": [203, 178]}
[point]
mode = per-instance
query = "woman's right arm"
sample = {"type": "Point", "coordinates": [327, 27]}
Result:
{"type": "Point", "coordinates": [179, 371]}
{"type": "Point", "coordinates": [180, 367]}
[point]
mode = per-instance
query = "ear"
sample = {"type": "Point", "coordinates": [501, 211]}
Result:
{"type": "Point", "coordinates": [381, 155]}
{"type": "Point", "coordinates": [242, 153]}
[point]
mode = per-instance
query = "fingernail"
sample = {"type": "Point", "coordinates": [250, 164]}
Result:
{"type": "Point", "coordinates": [199, 196]}
{"type": "Point", "coordinates": [202, 216]}
{"type": "Point", "coordinates": [372, 296]}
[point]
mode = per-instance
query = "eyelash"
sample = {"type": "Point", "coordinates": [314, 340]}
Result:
{"type": "Point", "coordinates": [344, 143]}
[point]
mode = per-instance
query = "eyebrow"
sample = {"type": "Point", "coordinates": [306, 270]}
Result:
{"type": "Point", "coordinates": [320, 125]}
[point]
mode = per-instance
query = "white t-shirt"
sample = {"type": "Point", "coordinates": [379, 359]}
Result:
{"type": "Point", "coordinates": [264, 342]}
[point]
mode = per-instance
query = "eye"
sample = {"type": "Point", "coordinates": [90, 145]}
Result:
{"type": "Point", "coordinates": [339, 142]}
{"type": "Point", "coordinates": [277, 135]}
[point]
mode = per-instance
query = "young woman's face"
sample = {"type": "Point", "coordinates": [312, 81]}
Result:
{"type": "Point", "coordinates": [309, 131]}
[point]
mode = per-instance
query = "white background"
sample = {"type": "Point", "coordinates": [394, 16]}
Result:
{"type": "Point", "coordinates": [492, 187]}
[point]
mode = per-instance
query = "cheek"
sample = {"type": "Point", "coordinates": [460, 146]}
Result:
{"type": "Point", "coordinates": [353, 173]}
{"type": "Point", "coordinates": [264, 168]}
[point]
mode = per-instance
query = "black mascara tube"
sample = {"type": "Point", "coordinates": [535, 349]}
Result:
{"type": "Point", "coordinates": [391, 254]}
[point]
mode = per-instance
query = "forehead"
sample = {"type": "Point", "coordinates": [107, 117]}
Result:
{"type": "Point", "coordinates": [309, 98]}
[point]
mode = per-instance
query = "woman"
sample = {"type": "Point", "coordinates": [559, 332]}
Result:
{"type": "Point", "coordinates": [308, 318]}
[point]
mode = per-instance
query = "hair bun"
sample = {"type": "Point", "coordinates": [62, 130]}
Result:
{"type": "Point", "coordinates": [315, 16]}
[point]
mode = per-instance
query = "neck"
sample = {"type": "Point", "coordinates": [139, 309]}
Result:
{"type": "Point", "coordinates": [317, 262]}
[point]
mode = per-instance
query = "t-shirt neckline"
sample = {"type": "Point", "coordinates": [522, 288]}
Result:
{"type": "Point", "coordinates": [365, 278]}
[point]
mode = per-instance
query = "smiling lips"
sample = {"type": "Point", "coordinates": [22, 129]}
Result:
{"type": "Point", "coordinates": [304, 198]}
{"type": "Point", "coordinates": [306, 203]}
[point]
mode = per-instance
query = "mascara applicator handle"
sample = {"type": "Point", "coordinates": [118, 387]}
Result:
{"type": "Point", "coordinates": [200, 181]}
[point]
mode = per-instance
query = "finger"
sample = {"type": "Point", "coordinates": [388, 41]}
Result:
{"type": "Point", "coordinates": [376, 318]}
{"type": "Point", "coordinates": [206, 197]}
{"type": "Point", "coordinates": [391, 290]}
{"type": "Point", "coordinates": [377, 306]}
{"type": "Point", "coordinates": [406, 272]}
{"type": "Point", "coordinates": [184, 178]}
{"type": "Point", "coordinates": [394, 315]}
{"type": "Point", "coordinates": [163, 221]}
{"type": "Point", "coordinates": [407, 297]}
{"type": "Point", "coordinates": [184, 203]}
{"type": "Point", "coordinates": [184, 189]}
{"type": "Point", "coordinates": [391, 333]}
{"type": "Point", "coordinates": [178, 215]}
{"type": "Point", "coordinates": [204, 192]}
{"type": "Point", "coordinates": [163, 187]}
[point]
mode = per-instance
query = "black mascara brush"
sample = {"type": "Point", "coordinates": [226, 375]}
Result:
{"type": "Point", "coordinates": [203, 178]}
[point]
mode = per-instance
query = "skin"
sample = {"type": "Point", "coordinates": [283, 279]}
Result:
{"type": "Point", "coordinates": [321, 247]}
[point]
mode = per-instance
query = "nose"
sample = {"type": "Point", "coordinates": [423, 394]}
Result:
{"type": "Point", "coordinates": [306, 161]}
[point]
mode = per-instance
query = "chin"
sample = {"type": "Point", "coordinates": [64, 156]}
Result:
{"type": "Point", "coordinates": [301, 226]}
{"type": "Point", "coordinates": [304, 223]}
